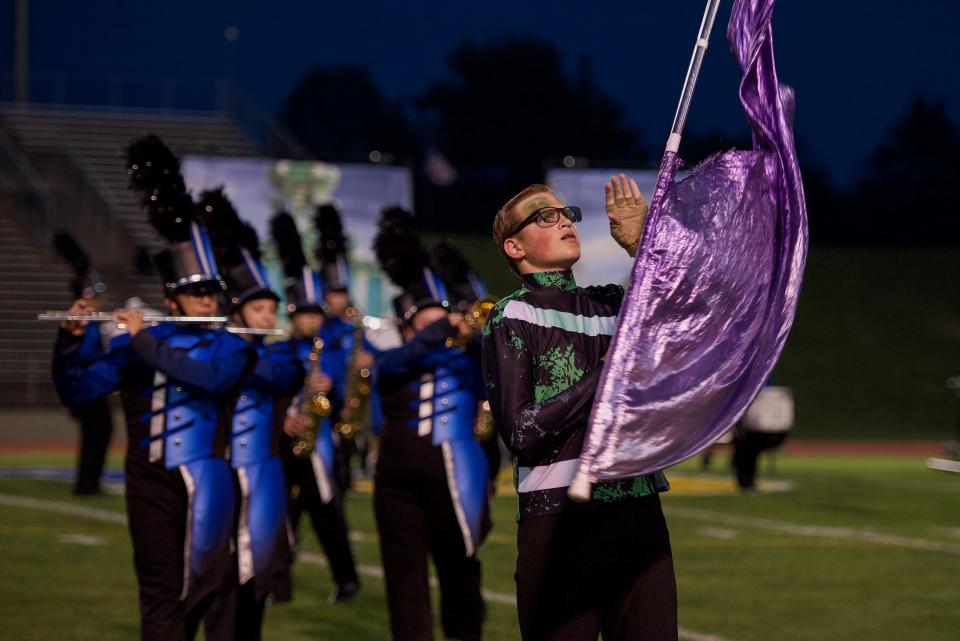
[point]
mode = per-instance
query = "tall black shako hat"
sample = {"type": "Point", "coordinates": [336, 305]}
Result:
{"type": "Point", "coordinates": [188, 264]}
{"type": "Point", "coordinates": [86, 281]}
{"type": "Point", "coordinates": [236, 249]}
{"type": "Point", "coordinates": [304, 287]}
{"type": "Point", "coordinates": [331, 249]}
{"type": "Point", "coordinates": [463, 285]}
{"type": "Point", "coordinates": [404, 260]}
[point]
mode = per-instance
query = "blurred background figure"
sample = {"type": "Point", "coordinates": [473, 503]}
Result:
{"type": "Point", "coordinates": [96, 423]}
{"type": "Point", "coordinates": [764, 427]}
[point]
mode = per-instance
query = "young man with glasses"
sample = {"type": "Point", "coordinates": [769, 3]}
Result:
{"type": "Point", "coordinates": [583, 569]}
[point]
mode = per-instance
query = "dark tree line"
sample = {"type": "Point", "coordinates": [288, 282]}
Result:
{"type": "Point", "coordinates": [508, 111]}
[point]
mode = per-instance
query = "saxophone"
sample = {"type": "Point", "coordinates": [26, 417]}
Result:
{"type": "Point", "coordinates": [358, 383]}
{"type": "Point", "coordinates": [475, 318]}
{"type": "Point", "coordinates": [313, 407]}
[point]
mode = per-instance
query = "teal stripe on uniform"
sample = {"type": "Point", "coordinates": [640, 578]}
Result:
{"type": "Point", "coordinates": [588, 325]}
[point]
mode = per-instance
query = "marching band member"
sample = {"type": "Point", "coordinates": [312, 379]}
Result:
{"type": "Point", "coordinates": [178, 384]}
{"type": "Point", "coordinates": [262, 538]}
{"type": "Point", "coordinates": [431, 484]}
{"type": "Point", "coordinates": [310, 474]}
{"type": "Point", "coordinates": [96, 423]}
{"type": "Point", "coordinates": [342, 328]}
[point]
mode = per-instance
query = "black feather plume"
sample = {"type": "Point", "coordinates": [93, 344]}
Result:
{"type": "Point", "coordinates": [331, 241]}
{"type": "Point", "coordinates": [398, 249]}
{"type": "Point", "coordinates": [70, 251]}
{"type": "Point", "coordinates": [223, 224]}
{"type": "Point", "coordinates": [287, 239]}
{"type": "Point", "coordinates": [154, 171]}
{"type": "Point", "coordinates": [450, 264]}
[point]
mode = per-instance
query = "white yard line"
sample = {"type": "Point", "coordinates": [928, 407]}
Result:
{"type": "Point", "coordinates": [823, 531]}
{"type": "Point", "coordinates": [110, 516]}
{"type": "Point", "coordinates": [375, 571]}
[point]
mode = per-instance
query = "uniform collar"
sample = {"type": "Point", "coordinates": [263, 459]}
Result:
{"type": "Point", "coordinates": [561, 281]}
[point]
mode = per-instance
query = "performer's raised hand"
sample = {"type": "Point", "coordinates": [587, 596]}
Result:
{"type": "Point", "coordinates": [627, 211]}
{"type": "Point", "coordinates": [132, 319]}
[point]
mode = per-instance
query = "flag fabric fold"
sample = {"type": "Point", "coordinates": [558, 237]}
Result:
{"type": "Point", "coordinates": [714, 287]}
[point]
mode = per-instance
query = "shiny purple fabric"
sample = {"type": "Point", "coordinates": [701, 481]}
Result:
{"type": "Point", "coordinates": [714, 287]}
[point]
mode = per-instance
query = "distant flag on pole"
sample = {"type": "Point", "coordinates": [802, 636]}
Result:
{"type": "Point", "coordinates": [714, 287]}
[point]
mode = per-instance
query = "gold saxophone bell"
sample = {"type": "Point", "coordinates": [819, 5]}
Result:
{"type": "Point", "coordinates": [476, 318]}
{"type": "Point", "coordinates": [313, 407]}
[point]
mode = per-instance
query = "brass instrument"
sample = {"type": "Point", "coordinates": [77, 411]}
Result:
{"type": "Point", "coordinates": [313, 407]}
{"type": "Point", "coordinates": [358, 383]}
{"type": "Point", "coordinates": [153, 319]}
{"type": "Point", "coordinates": [476, 318]}
{"type": "Point", "coordinates": [483, 427]}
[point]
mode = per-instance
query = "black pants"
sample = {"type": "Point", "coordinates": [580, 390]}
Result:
{"type": "Point", "coordinates": [157, 519]}
{"type": "Point", "coordinates": [601, 569]}
{"type": "Point", "coordinates": [328, 519]}
{"type": "Point", "coordinates": [415, 516]}
{"type": "Point", "coordinates": [747, 447]}
{"type": "Point", "coordinates": [96, 427]}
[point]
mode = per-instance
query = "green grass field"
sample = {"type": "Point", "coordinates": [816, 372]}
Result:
{"type": "Point", "coordinates": [860, 548]}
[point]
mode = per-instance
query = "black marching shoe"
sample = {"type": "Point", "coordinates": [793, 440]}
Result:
{"type": "Point", "coordinates": [343, 592]}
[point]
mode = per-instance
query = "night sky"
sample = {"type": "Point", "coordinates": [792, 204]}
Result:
{"type": "Point", "coordinates": [856, 66]}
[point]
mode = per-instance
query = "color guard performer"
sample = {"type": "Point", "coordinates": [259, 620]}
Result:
{"type": "Point", "coordinates": [178, 384]}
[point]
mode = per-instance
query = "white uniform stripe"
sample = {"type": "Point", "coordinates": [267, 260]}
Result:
{"type": "Point", "coordinates": [157, 403]}
{"type": "Point", "coordinates": [587, 325]}
{"type": "Point", "coordinates": [244, 546]}
{"type": "Point", "coordinates": [188, 538]}
{"type": "Point", "coordinates": [547, 477]}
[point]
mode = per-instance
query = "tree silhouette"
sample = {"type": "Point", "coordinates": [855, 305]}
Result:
{"type": "Point", "coordinates": [508, 109]}
{"type": "Point", "coordinates": [906, 192]}
{"type": "Point", "coordinates": [340, 115]}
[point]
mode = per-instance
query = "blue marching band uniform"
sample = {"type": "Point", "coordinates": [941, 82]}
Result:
{"type": "Point", "coordinates": [312, 480]}
{"type": "Point", "coordinates": [213, 490]}
{"type": "Point", "coordinates": [96, 422]}
{"type": "Point", "coordinates": [433, 478]}
{"type": "Point", "coordinates": [178, 385]}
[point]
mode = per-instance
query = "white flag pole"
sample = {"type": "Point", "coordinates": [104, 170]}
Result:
{"type": "Point", "coordinates": [581, 485]}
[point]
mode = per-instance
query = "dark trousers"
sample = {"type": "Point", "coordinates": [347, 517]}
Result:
{"type": "Point", "coordinates": [414, 518]}
{"type": "Point", "coordinates": [601, 569]}
{"type": "Point", "coordinates": [96, 427]}
{"type": "Point", "coordinates": [747, 447]}
{"type": "Point", "coordinates": [249, 612]}
{"type": "Point", "coordinates": [157, 519]}
{"type": "Point", "coordinates": [328, 519]}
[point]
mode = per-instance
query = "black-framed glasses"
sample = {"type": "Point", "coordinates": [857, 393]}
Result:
{"type": "Point", "coordinates": [548, 217]}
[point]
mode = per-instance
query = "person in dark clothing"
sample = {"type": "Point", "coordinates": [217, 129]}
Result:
{"type": "Point", "coordinates": [601, 567]}
{"type": "Point", "coordinates": [95, 417]}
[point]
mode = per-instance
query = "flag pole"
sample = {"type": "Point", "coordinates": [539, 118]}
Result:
{"type": "Point", "coordinates": [581, 485]}
{"type": "Point", "coordinates": [693, 72]}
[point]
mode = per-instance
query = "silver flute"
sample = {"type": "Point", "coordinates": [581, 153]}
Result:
{"type": "Point", "coordinates": [105, 317]}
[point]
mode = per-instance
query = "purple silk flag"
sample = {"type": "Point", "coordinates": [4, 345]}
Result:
{"type": "Point", "coordinates": [714, 287]}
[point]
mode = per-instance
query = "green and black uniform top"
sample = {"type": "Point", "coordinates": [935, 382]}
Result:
{"type": "Point", "coordinates": [542, 347]}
